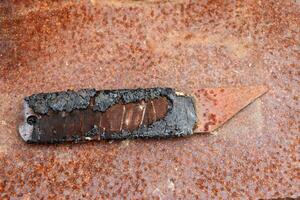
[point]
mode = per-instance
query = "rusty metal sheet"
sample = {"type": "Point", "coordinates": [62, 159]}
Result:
{"type": "Point", "coordinates": [54, 45]}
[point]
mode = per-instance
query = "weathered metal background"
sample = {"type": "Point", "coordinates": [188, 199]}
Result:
{"type": "Point", "coordinates": [50, 46]}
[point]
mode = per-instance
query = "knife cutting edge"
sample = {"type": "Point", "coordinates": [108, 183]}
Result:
{"type": "Point", "coordinates": [88, 114]}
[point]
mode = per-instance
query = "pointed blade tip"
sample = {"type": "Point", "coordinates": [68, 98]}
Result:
{"type": "Point", "coordinates": [213, 113]}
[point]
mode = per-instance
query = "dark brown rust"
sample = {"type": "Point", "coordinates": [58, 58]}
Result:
{"type": "Point", "coordinates": [128, 117]}
{"type": "Point", "coordinates": [131, 116]}
{"type": "Point", "coordinates": [183, 44]}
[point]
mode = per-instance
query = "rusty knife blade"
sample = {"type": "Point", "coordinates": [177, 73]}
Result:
{"type": "Point", "coordinates": [130, 113]}
{"type": "Point", "coordinates": [215, 106]}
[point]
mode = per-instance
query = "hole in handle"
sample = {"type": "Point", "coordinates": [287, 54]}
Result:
{"type": "Point", "coordinates": [32, 119]}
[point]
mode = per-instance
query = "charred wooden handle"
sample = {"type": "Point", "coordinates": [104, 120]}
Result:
{"type": "Point", "coordinates": [108, 114]}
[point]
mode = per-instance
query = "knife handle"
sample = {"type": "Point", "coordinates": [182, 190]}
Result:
{"type": "Point", "coordinates": [107, 114]}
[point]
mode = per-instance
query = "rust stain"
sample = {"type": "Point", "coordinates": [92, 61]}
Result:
{"type": "Point", "coordinates": [133, 3]}
{"type": "Point", "coordinates": [236, 47]}
{"type": "Point", "coordinates": [50, 46]}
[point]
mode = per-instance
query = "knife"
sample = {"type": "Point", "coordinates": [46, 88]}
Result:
{"type": "Point", "coordinates": [88, 114]}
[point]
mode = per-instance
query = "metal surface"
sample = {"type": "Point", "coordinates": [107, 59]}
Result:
{"type": "Point", "coordinates": [215, 106]}
{"type": "Point", "coordinates": [51, 46]}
